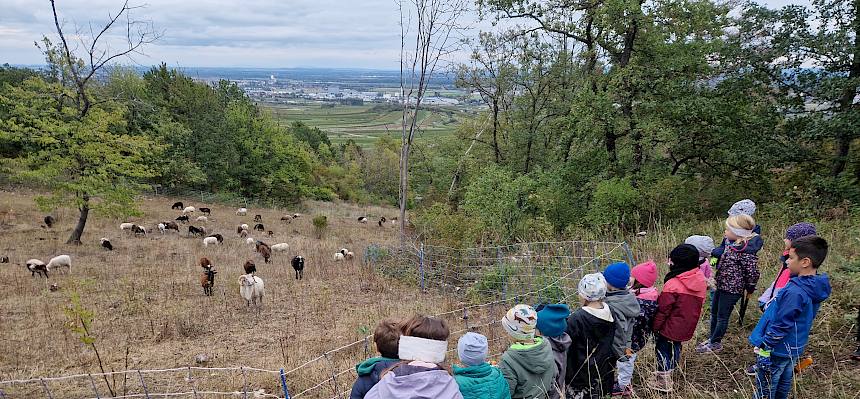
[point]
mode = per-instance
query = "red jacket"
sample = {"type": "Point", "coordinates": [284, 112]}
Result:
{"type": "Point", "coordinates": [680, 305]}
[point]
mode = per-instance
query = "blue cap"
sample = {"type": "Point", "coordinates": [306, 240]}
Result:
{"type": "Point", "coordinates": [552, 319]}
{"type": "Point", "coordinates": [617, 275]}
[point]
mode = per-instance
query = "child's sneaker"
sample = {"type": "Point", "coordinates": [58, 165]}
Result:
{"type": "Point", "coordinates": [618, 391]}
{"type": "Point", "coordinates": [750, 370]}
{"type": "Point", "coordinates": [702, 344]}
{"type": "Point", "coordinates": [710, 348]}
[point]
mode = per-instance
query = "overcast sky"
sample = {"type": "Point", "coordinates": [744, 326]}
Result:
{"type": "Point", "coordinates": [248, 33]}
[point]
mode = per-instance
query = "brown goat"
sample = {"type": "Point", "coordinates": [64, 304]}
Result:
{"type": "Point", "coordinates": [264, 250]}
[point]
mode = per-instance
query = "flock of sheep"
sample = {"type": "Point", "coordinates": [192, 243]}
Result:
{"type": "Point", "coordinates": [251, 287]}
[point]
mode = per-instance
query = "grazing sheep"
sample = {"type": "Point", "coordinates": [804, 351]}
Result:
{"type": "Point", "coordinates": [171, 226]}
{"type": "Point", "coordinates": [244, 226]}
{"type": "Point", "coordinates": [207, 280]}
{"type": "Point", "coordinates": [362, 220]}
{"type": "Point", "coordinates": [106, 244]}
{"type": "Point", "coordinates": [286, 219]}
{"type": "Point", "coordinates": [241, 211]}
{"type": "Point", "coordinates": [347, 254]}
{"type": "Point", "coordinates": [4, 259]}
{"type": "Point", "coordinates": [296, 215]}
{"type": "Point", "coordinates": [138, 230]}
{"type": "Point", "coordinates": [244, 233]}
{"type": "Point", "coordinates": [299, 266]}
{"type": "Point", "coordinates": [259, 227]}
{"type": "Point", "coordinates": [54, 287]}
{"type": "Point", "coordinates": [126, 226]}
{"type": "Point", "coordinates": [188, 209]}
{"type": "Point", "coordinates": [206, 211]}
{"type": "Point", "coordinates": [270, 233]}
{"type": "Point", "coordinates": [194, 231]}
{"type": "Point", "coordinates": [49, 221]}
{"type": "Point", "coordinates": [182, 219]}
{"type": "Point", "coordinates": [381, 222]}
{"type": "Point", "coordinates": [350, 255]}
{"type": "Point", "coordinates": [217, 236]}
{"type": "Point", "coordinates": [249, 267]}
{"type": "Point", "coordinates": [250, 240]}
{"type": "Point", "coordinates": [338, 257]}
{"type": "Point", "coordinates": [60, 261]}
{"type": "Point", "coordinates": [177, 205]}
{"type": "Point", "coordinates": [209, 241]}
{"type": "Point", "coordinates": [202, 218]}
{"type": "Point", "coordinates": [37, 266]}
{"type": "Point", "coordinates": [281, 247]}
{"type": "Point", "coordinates": [264, 250]}
{"type": "Point", "coordinates": [258, 218]}
{"type": "Point", "coordinates": [251, 289]}
{"type": "Point", "coordinates": [161, 227]}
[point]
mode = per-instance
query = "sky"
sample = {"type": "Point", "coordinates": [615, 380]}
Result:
{"type": "Point", "coordinates": [222, 33]}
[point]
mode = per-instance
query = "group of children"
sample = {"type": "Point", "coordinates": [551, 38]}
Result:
{"type": "Point", "coordinates": [590, 353]}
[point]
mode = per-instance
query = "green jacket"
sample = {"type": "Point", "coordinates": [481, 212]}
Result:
{"type": "Point", "coordinates": [481, 382]}
{"type": "Point", "coordinates": [529, 369]}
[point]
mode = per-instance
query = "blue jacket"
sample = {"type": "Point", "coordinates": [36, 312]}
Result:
{"type": "Point", "coordinates": [481, 382]}
{"type": "Point", "coordinates": [753, 246]}
{"type": "Point", "coordinates": [368, 375]}
{"type": "Point", "coordinates": [784, 326]}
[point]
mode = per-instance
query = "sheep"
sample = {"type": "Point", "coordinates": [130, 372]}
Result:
{"type": "Point", "coordinates": [249, 267]}
{"type": "Point", "coordinates": [241, 227]}
{"type": "Point", "coordinates": [298, 265]}
{"type": "Point", "coordinates": [177, 205]}
{"type": "Point", "coordinates": [250, 240]}
{"type": "Point", "coordinates": [204, 262]}
{"type": "Point", "coordinates": [188, 209]}
{"type": "Point", "coordinates": [209, 241]}
{"type": "Point", "coordinates": [182, 219]}
{"type": "Point", "coordinates": [270, 233]}
{"type": "Point", "coordinates": [281, 247]}
{"type": "Point", "coordinates": [60, 261]}
{"type": "Point", "coordinates": [192, 230]}
{"type": "Point", "coordinates": [362, 220]}
{"type": "Point", "coordinates": [338, 257]}
{"type": "Point", "coordinates": [162, 227]}
{"type": "Point", "coordinates": [349, 255]}
{"type": "Point", "coordinates": [4, 259]}
{"type": "Point", "coordinates": [206, 211]}
{"type": "Point", "coordinates": [241, 211]}
{"type": "Point", "coordinates": [218, 237]}
{"type": "Point", "coordinates": [171, 226]}
{"type": "Point", "coordinates": [106, 244]}
{"type": "Point", "coordinates": [286, 219]}
{"type": "Point", "coordinates": [258, 218]}
{"type": "Point", "coordinates": [126, 226]}
{"type": "Point", "coordinates": [381, 222]}
{"type": "Point", "coordinates": [345, 254]}
{"type": "Point", "coordinates": [243, 233]}
{"type": "Point", "coordinates": [296, 215]}
{"type": "Point", "coordinates": [251, 289]}
{"type": "Point", "coordinates": [259, 227]}
{"type": "Point", "coordinates": [49, 221]}
{"type": "Point", "coordinates": [207, 280]}
{"type": "Point", "coordinates": [138, 230]}
{"type": "Point", "coordinates": [37, 266]}
{"type": "Point", "coordinates": [264, 250]}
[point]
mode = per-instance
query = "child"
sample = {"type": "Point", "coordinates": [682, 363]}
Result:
{"type": "Point", "coordinates": [783, 331]}
{"type": "Point", "coordinates": [478, 380]}
{"type": "Point", "coordinates": [678, 309]}
{"type": "Point", "coordinates": [705, 246]}
{"type": "Point", "coordinates": [625, 309]}
{"type": "Point", "coordinates": [737, 275]}
{"type": "Point", "coordinates": [742, 207]}
{"type": "Point", "coordinates": [528, 365]}
{"type": "Point", "coordinates": [421, 373]}
{"type": "Point", "coordinates": [794, 232]}
{"type": "Point", "coordinates": [551, 323]}
{"type": "Point", "coordinates": [642, 279]}
{"type": "Point", "coordinates": [386, 336]}
{"type": "Point", "coordinates": [590, 358]}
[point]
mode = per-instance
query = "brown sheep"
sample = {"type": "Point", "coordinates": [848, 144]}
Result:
{"type": "Point", "coordinates": [250, 267]}
{"type": "Point", "coordinates": [264, 250]}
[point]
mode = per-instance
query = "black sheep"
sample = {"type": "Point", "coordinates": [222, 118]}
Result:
{"type": "Point", "coordinates": [299, 266]}
{"type": "Point", "coordinates": [196, 231]}
{"type": "Point", "coordinates": [178, 205]}
{"type": "Point", "coordinates": [106, 244]}
{"type": "Point", "coordinates": [259, 227]}
{"type": "Point", "coordinates": [49, 221]}
{"type": "Point", "coordinates": [183, 219]}
{"type": "Point", "coordinates": [217, 237]}
{"type": "Point", "coordinates": [258, 218]}
{"type": "Point", "coordinates": [206, 211]}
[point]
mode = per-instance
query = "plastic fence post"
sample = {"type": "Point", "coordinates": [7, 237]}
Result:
{"type": "Point", "coordinates": [629, 254]}
{"type": "Point", "coordinates": [284, 384]}
{"type": "Point", "coordinates": [366, 346]}
{"type": "Point", "coordinates": [143, 384]}
{"type": "Point", "coordinates": [421, 267]}
{"type": "Point", "coordinates": [93, 384]}
{"type": "Point", "coordinates": [2, 395]}
{"type": "Point", "coordinates": [191, 383]}
{"type": "Point", "coordinates": [465, 318]}
{"type": "Point", "coordinates": [45, 387]}
{"type": "Point", "coordinates": [244, 382]}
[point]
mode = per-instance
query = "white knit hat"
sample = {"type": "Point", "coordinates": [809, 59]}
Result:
{"type": "Point", "coordinates": [742, 207]}
{"type": "Point", "coordinates": [592, 287]}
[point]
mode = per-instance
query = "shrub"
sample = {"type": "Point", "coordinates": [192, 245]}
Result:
{"type": "Point", "coordinates": [615, 203]}
{"type": "Point", "coordinates": [320, 224]}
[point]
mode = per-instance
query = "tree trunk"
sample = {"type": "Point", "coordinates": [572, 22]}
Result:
{"type": "Point", "coordinates": [404, 186]}
{"type": "Point", "coordinates": [84, 209]}
{"type": "Point", "coordinates": [846, 101]}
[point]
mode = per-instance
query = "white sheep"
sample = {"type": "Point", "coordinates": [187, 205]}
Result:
{"type": "Point", "coordinates": [60, 261]}
{"type": "Point", "coordinates": [202, 218]}
{"type": "Point", "coordinates": [162, 227]}
{"type": "Point", "coordinates": [349, 255]}
{"type": "Point", "coordinates": [210, 241]}
{"type": "Point", "coordinates": [244, 226]}
{"type": "Point", "coordinates": [338, 257]}
{"type": "Point", "coordinates": [282, 247]}
{"type": "Point", "coordinates": [126, 226]}
{"type": "Point", "coordinates": [251, 289]}
{"type": "Point", "coordinates": [250, 240]}
{"type": "Point", "coordinates": [241, 211]}
{"type": "Point", "coordinates": [244, 233]}
{"type": "Point", "coordinates": [37, 266]}
{"type": "Point", "coordinates": [362, 220]}
{"type": "Point", "coordinates": [188, 209]}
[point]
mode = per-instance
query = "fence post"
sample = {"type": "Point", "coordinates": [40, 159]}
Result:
{"type": "Point", "coordinates": [244, 382]}
{"type": "Point", "coordinates": [333, 375]}
{"type": "Point", "coordinates": [465, 319]}
{"type": "Point", "coordinates": [93, 384]}
{"type": "Point", "coordinates": [366, 345]}
{"type": "Point", "coordinates": [2, 395]}
{"type": "Point", "coordinates": [421, 267]}
{"type": "Point", "coordinates": [143, 384]}
{"type": "Point", "coordinates": [191, 383]}
{"type": "Point", "coordinates": [284, 384]}
{"type": "Point", "coordinates": [629, 254]}
{"type": "Point", "coordinates": [45, 387]}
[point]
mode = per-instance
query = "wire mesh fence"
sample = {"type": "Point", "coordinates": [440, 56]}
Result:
{"type": "Point", "coordinates": [485, 282]}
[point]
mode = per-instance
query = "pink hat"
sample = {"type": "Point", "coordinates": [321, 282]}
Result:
{"type": "Point", "coordinates": [645, 273]}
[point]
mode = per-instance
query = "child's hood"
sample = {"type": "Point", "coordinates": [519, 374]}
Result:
{"type": "Point", "coordinates": [693, 280]}
{"type": "Point", "coordinates": [623, 302]}
{"type": "Point", "coordinates": [648, 294]}
{"type": "Point", "coordinates": [817, 286]}
{"type": "Point", "coordinates": [366, 367]}
{"type": "Point", "coordinates": [752, 246]}
{"type": "Point", "coordinates": [559, 343]}
{"type": "Point", "coordinates": [537, 358]}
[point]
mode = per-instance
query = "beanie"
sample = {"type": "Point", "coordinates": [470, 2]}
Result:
{"type": "Point", "coordinates": [552, 319]}
{"type": "Point", "coordinates": [617, 275]}
{"type": "Point", "coordinates": [685, 256]}
{"type": "Point", "coordinates": [645, 273]}
{"type": "Point", "coordinates": [801, 229]}
{"type": "Point", "coordinates": [592, 287]}
{"type": "Point", "coordinates": [742, 207]}
{"type": "Point", "coordinates": [472, 349]}
{"type": "Point", "coordinates": [704, 244]}
{"type": "Point", "coordinates": [520, 322]}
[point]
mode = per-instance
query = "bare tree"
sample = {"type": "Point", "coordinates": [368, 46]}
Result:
{"type": "Point", "coordinates": [82, 63]}
{"type": "Point", "coordinates": [433, 26]}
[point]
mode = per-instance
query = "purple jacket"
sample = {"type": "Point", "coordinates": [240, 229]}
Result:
{"type": "Point", "coordinates": [415, 382]}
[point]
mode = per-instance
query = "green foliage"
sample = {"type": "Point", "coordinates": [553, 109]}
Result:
{"type": "Point", "coordinates": [79, 319]}
{"type": "Point", "coordinates": [498, 201]}
{"type": "Point", "coordinates": [320, 225]}
{"type": "Point", "coordinates": [441, 226]}
{"type": "Point", "coordinates": [493, 282]}
{"type": "Point", "coordinates": [615, 203]}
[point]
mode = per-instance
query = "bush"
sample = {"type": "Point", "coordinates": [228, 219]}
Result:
{"type": "Point", "coordinates": [320, 225]}
{"type": "Point", "coordinates": [499, 201]}
{"type": "Point", "coordinates": [615, 203]}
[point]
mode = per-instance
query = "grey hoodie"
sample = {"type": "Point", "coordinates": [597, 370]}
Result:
{"type": "Point", "coordinates": [412, 382]}
{"type": "Point", "coordinates": [530, 372]}
{"type": "Point", "coordinates": [559, 346]}
{"type": "Point", "coordinates": [625, 309]}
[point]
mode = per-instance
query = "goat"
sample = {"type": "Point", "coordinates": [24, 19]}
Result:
{"type": "Point", "coordinates": [259, 227]}
{"type": "Point", "coordinates": [249, 267]}
{"type": "Point", "coordinates": [241, 211]}
{"type": "Point", "coordinates": [338, 257]}
{"type": "Point", "coordinates": [251, 289]}
{"type": "Point", "coordinates": [264, 250]}
{"type": "Point", "coordinates": [138, 230]}
{"type": "Point", "coordinates": [196, 231]}
{"type": "Point", "coordinates": [207, 280]}
{"type": "Point", "coordinates": [243, 233]}
{"type": "Point", "coordinates": [49, 221]}
{"type": "Point", "coordinates": [258, 218]}
{"type": "Point", "coordinates": [60, 261]}
{"type": "Point", "coordinates": [250, 240]}
{"type": "Point", "coordinates": [296, 215]}
{"type": "Point", "coordinates": [204, 262]}
{"type": "Point", "coordinates": [206, 211]}
{"type": "Point", "coordinates": [4, 259]}
{"type": "Point", "coordinates": [37, 266]}
{"type": "Point", "coordinates": [182, 219]}
{"type": "Point", "coordinates": [188, 209]}
{"type": "Point", "coordinates": [281, 247]}
{"type": "Point", "coordinates": [286, 219]}
{"type": "Point", "coordinates": [362, 220]}
{"type": "Point", "coordinates": [177, 205]}
{"type": "Point", "coordinates": [299, 266]}
{"type": "Point", "coordinates": [106, 244]}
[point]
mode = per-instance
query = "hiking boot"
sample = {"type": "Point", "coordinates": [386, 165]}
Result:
{"type": "Point", "coordinates": [710, 347]}
{"type": "Point", "coordinates": [617, 390]}
{"type": "Point", "coordinates": [750, 370]}
{"type": "Point", "coordinates": [662, 381]}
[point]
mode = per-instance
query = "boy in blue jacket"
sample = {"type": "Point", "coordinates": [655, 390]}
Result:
{"type": "Point", "coordinates": [386, 336]}
{"type": "Point", "coordinates": [783, 330]}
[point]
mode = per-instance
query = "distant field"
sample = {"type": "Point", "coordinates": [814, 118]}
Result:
{"type": "Point", "coordinates": [365, 123]}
